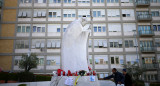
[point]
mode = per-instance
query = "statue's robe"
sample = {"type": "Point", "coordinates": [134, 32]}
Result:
{"type": "Point", "coordinates": [74, 48]}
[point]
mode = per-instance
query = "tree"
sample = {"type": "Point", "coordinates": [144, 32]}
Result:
{"type": "Point", "coordinates": [134, 70]}
{"type": "Point", "coordinates": [28, 62]}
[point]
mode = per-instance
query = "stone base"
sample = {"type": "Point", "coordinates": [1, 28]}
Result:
{"type": "Point", "coordinates": [82, 81]}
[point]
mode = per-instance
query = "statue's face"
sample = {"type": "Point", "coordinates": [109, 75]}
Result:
{"type": "Point", "coordinates": [84, 21]}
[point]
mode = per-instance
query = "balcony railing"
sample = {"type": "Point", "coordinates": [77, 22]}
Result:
{"type": "Point", "coordinates": [143, 3]}
{"type": "Point", "coordinates": [147, 49]}
{"type": "Point", "coordinates": [146, 33]}
{"type": "Point", "coordinates": [142, 17]}
{"type": "Point", "coordinates": [151, 66]}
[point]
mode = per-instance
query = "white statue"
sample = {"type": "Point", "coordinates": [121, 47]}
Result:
{"type": "Point", "coordinates": [74, 46]}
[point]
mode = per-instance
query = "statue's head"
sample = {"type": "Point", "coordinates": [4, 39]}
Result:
{"type": "Point", "coordinates": [83, 21]}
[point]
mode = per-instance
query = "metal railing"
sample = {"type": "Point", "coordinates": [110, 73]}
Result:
{"type": "Point", "coordinates": [144, 17]}
{"type": "Point", "coordinates": [148, 32]}
{"type": "Point", "coordinates": [147, 49]}
{"type": "Point", "coordinates": [151, 66]}
{"type": "Point", "coordinates": [142, 2]}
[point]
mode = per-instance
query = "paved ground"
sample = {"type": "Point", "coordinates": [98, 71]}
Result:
{"type": "Point", "coordinates": [47, 83]}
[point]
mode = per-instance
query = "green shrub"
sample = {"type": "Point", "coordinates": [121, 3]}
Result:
{"type": "Point", "coordinates": [26, 77]}
{"type": "Point", "coordinates": [138, 83]}
{"type": "Point", "coordinates": [43, 78]}
{"type": "Point", "coordinates": [22, 85]}
{"type": "Point", "coordinates": [12, 76]}
{"type": "Point", "coordinates": [3, 76]}
{"type": "Point", "coordinates": [154, 84]}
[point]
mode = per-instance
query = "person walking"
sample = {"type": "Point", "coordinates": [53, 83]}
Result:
{"type": "Point", "coordinates": [128, 79]}
{"type": "Point", "coordinates": [118, 77]}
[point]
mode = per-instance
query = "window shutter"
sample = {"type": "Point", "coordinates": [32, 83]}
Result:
{"type": "Point", "coordinates": [20, 14]}
{"type": "Point", "coordinates": [53, 44]}
{"type": "Point", "coordinates": [90, 42]}
{"type": "Point", "coordinates": [39, 14]}
{"type": "Point", "coordinates": [58, 44]}
{"type": "Point", "coordinates": [120, 41]}
{"type": "Point", "coordinates": [100, 43]}
{"type": "Point", "coordinates": [25, 14]}
{"type": "Point", "coordinates": [37, 45]}
{"type": "Point", "coordinates": [104, 44]}
{"type": "Point", "coordinates": [35, 14]}
{"type": "Point", "coordinates": [49, 45]}
{"type": "Point", "coordinates": [43, 14]}
{"type": "Point", "coordinates": [96, 43]}
{"type": "Point", "coordinates": [42, 45]}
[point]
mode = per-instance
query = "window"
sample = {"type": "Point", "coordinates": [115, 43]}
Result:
{"type": "Point", "coordinates": [114, 27]}
{"type": "Point", "coordinates": [54, 1]}
{"type": "Point", "coordinates": [99, 29]}
{"type": "Point", "coordinates": [156, 27]}
{"type": "Point", "coordinates": [155, 1]}
{"type": "Point", "coordinates": [144, 28]}
{"type": "Point", "coordinates": [113, 13]}
{"type": "Point", "coordinates": [128, 43]}
{"type": "Point", "coordinates": [64, 29]}
{"type": "Point", "coordinates": [53, 44]}
{"type": "Point", "coordinates": [69, 1]}
{"type": "Point", "coordinates": [155, 13]}
{"type": "Point", "coordinates": [69, 13]}
{"type": "Point", "coordinates": [24, 13]}
{"type": "Point", "coordinates": [116, 43]}
{"type": "Point", "coordinates": [100, 43]}
{"type": "Point", "coordinates": [39, 14]}
{"type": "Point", "coordinates": [145, 44]}
{"type": "Point", "coordinates": [83, 1]}
{"type": "Point", "coordinates": [115, 60]}
{"type": "Point", "coordinates": [58, 30]}
{"type": "Point", "coordinates": [40, 1]}
{"type": "Point", "coordinates": [90, 43]}
{"type": "Point", "coordinates": [39, 29]}
{"type": "Point", "coordinates": [83, 12]}
{"type": "Point", "coordinates": [157, 42]}
{"type": "Point", "coordinates": [16, 62]}
{"type": "Point", "coordinates": [54, 13]}
{"type": "Point", "coordinates": [25, 1]}
{"type": "Point", "coordinates": [126, 1]}
{"type": "Point", "coordinates": [127, 12]}
{"type": "Point", "coordinates": [101, 59]}
{"type": "Point", "coordinates": [22, 44]}
{"type": "Point", "coordinates": [98, 14]}
{"type": "Point", "coordinates": [129, 27]}
{"type": "Point", "coordinates": [51, 62]}
{"type": "Point", "coordinates": [98, 1]}
{"type": "Point", "coordinates": [23, 29]}
{"type": "Point", "coordinates": [38, 44]}
{"type": "Point", "coordinates": [40, 61]}
{"type": "Point", "coordinates": [112, 1]}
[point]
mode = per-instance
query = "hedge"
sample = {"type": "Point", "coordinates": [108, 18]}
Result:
{"type": "Point", "coordinates": [154, 84]}
{"type": "Point", "coordinates": [23, 77]}
{"type": "Point", "coordinates": [138, 83]}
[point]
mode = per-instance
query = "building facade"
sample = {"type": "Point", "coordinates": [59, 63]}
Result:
{"type": "Point", "coordinates": [124, 32]}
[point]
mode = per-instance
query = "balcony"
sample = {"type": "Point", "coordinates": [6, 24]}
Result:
{"type": "Point", "coordinates": [146, 33]}
{"type": "Point", "coordinates": [144, 17]}
{"type": "Point", "coordinates": [142, 3]}
{"type": "Point", "coordinates": [150, 66]}
{"type": "Point", "coordinates": [147, 49]}
{"type": "Point", "coordinates": [0, 3]}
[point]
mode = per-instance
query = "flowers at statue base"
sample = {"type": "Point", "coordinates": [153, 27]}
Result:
{"type": "Point", "coordinates": [60, 72]}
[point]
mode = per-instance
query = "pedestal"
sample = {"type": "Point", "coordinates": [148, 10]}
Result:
{"type": "Point", "coordinates": [82, 81]}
